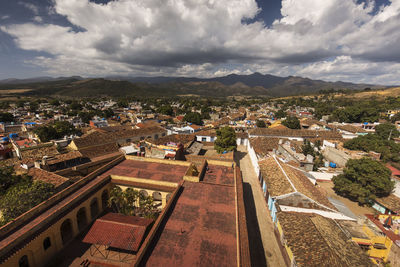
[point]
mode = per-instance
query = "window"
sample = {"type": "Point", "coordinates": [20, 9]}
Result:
{"type": "Point", "coordinates": [23, 261]}
{"type": "Point", "coordinates": [46, 243]}
{"type": "Point", "coordinates": [203, 139]}
{"type": "Point", "coordinates": [163, 134]}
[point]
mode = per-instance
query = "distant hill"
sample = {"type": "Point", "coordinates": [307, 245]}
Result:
{"type": "Point", "coordinates": [36, 80]}
{"type": "Point", "coordinates": [255, 84]}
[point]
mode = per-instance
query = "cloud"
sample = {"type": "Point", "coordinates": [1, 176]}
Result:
{"type": "Point", "coordinates": [330, 38]}
{"type": "Point", "coordinates": [5, 17]}
{"type": "Point", "coordinates": [30, 6]}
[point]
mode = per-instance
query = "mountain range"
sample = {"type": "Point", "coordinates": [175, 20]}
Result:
{"type": "Point", "coordinates": [230, 85]}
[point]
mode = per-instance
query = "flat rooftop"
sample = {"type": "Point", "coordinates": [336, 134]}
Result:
{"type": "Point", "coordinates": [200, 229]}
{"type": "Point", "coordinates": [217, 174]}
{"type": "Point", "coordinates": [149, 170]}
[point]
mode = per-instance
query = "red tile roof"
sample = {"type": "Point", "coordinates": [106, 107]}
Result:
{"type": "Point", "coordinates": [201, 230]}
{"type": "Point", "coordinates": [394, 171]}
{"type": "Point", "coordinates": [47, 177]}
{"type": "Point", "coordinates": [118, 231]}
{"type": "Point", "coordinates": [149, 170]}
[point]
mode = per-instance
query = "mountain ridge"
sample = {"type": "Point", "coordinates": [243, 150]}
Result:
{"type": "Point", "coordinates": [229, 85]}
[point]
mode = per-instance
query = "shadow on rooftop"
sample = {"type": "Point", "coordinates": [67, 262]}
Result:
{"type": "Point", "coordinates": [239, 155]}
{"type": "Point", "coordinates": [256, 247]}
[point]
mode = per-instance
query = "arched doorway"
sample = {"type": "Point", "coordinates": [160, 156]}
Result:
{"type": "Point", "coordinates": [81, 218]}
{"type": "Point", "coordinates": [157, 196]}
{"type": "Point", "coordinates": [94, 208]}
{"type": "Point", "coordinates": [66, 231]}
{"type": "Point", "coordinates": [23, 261]}
{"type": "Point", "coordinates": [104, 199]}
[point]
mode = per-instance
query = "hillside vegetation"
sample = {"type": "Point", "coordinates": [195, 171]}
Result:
{"type": "Point", "coordinates": [232, 85]}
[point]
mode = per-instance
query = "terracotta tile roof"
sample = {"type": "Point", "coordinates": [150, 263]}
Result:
{"type": "Point", "coordinates": [295, 133]}
{"type": "Point", "coordinates": [318, 241]}
{"type": "Point", "coordinates": [201, 229]}
{"type": "Point", "coordinates": [394, 171]}
{"type": "Point", "coordinates": [149, 170]}
{"type": "Point", "coordinates": [91, 139]}
{"type": "Point", "coordinates": [304, 186]}
{"type": "Point", "coordinates": [118, 231]}
{"type": "Point", "coordinates": [175, 138]}
{"type": "Point", "coordinates": [25, 143]}
{"type": "Point", "coordinates": [391, 202]}
{"type": "Point", "coordinates": [278, 184]}
{"type": "Point", "coordinates": [348, 128]}
{"type": "Point", "coordinates": [220, 122]}
{"type": "Point", "coordinates": [99, 150]}
{"type": "Point", "coordinates": [262, 145]}
{"type": "Point", "coordinates": [37, 153]}
{"type": "Point", "coordinates": [64, 157]}
{"type": "Point", "coordinates": [195, 127]}
{"type": "Point", "coordinates": [211, 133]}
{"type": "Point", "coordinates": [280, 127]}
{"type": "Point", "coordinates": [148, 124]}
{"type": "Point", "coordinates": [243, 135]}
{"type": "Point", "coordinates": [47, 177]}
{"type": "Point", "coordinates": [113, 134]}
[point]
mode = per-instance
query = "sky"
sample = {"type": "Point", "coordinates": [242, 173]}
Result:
{"type": "Point", "coordinates": [347, 40]}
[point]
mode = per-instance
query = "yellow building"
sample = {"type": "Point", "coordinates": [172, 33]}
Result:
{"type": "Point", "coordinates": [376, 243]}
{"type": "Point", "coordinates": [52, 232]}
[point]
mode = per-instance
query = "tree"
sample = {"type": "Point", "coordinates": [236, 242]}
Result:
{"type": "Point", "coordinates": [280, 114]}
{"type": "Point", "coordinates": [75, 106]}
{"type": "Point", "coordinates": [57, 130]}
{"type": "Point", "coordinates": [307, 148]}
{"type": "Point", "coordinates": [6, 117]}
{"type": "Point", "coordinates": [131, 202]}
{"type": "Point", "coordinates": [108, 113]}
{"type": "Point", "coordinates": [260, 124]}
{"type": "Point", "coordinates": [372, 142]}
{"type": "Point", "coordinates": [46, 133]}
{"type": "Point", "coordinates": [226, 140]}
{"type": "Point", "coordinates": [363, 180]}
{"type": "Point", "coordinates": [22, 197]}
{"type": "Point", "coordinates": [33, 106]}
{"type": "Point", "coordinates": [292, 122]}
{"type": "Point", "coordinates": [8, 178]}
{"type": "Point", "coordinates": [86, 116]}
{"type": "Point", "coordinates": [386, 130]}
{"type": "Point", "coordinates": [193, 117]}
{"type": "Point", "coordinates": [54, 102]}
{"type": "Point", "coordinates": [166, 110]}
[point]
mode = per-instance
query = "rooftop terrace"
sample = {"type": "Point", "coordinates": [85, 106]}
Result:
{"type": "Point", "coordinates": [149, 170]}
{"type": "Point", "coordinates": [200, 230]}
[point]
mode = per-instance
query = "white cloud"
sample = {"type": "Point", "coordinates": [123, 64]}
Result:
{"type": "Point", "coordinates": [5, 17]}
{"type": "Point", "coordinates": [330, 39]}
{"type": "Point", "coordinates": [30, 6]}
{"type": "Point", "coordinates": [38, 19]}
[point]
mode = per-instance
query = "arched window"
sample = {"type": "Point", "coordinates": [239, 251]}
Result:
{"type": "Point", "coordinates": [66, 231]}
{"type": "Point", "coordinates": [81, 218]}
{"type": "Point", "coordinates": [143, 193]}
{"type": "Point", "coordinates": [46, 243]}
{"type": "Point", "coordinates": [157, 196]}
{"type": "Point", "coordinates": [23, 261]}
{"type": "Point", "coordinates": [94, 208]}
{"type": "Point", "coordinates": [104, 199]}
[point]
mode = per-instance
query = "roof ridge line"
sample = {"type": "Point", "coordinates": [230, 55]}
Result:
{"type": "Point", "coordinates": [284, 173]}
